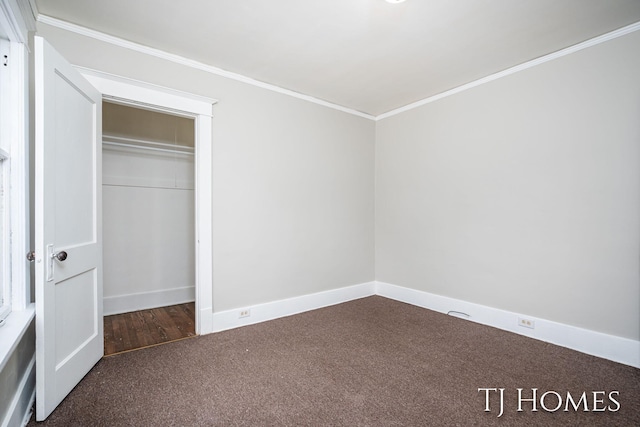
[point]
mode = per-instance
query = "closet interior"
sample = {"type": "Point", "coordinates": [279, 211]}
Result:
{"type": "Point", "coordinates": [148, 223]}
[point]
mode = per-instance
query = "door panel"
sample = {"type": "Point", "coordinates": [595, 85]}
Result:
{"type": "Point", "coordinates": [79, 325]}
{"type": "Point", "coordinates": [74, 180]}
{"type": "Point", "coordinates": [67, 211]}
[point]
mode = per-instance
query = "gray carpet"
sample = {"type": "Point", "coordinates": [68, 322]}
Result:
{"type": "Point", "coordinates": [370, 362]}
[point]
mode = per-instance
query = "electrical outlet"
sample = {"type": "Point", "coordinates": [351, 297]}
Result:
{"type": "Point", "coordinates": [526, 323]}
{"type": "Point", "coordinates": [244, 313]}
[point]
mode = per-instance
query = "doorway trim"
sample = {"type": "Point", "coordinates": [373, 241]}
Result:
{"type": "Point", "coordinates": [140, 94]}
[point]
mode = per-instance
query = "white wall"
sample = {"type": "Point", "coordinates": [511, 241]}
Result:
{"type": "Point", "coordinates": [293, 184]}
{"type": "Point", "coordinates": [522, 194]}
{"type": "Point", "coordinates": [148, 229]}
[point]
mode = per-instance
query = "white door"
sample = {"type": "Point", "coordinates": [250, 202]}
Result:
{"type": "Point", "coordinates": [68, 235]}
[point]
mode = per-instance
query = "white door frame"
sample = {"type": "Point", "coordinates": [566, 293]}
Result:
{"type": "Point", "coordinates": [139, 94]}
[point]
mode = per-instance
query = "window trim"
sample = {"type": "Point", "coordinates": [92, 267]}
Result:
{"type": "Point", "coordinates": [5, 231]}
{"type": "Point", "coordinates": [16, 151]}
{"type": "Point", "coordinates": [19, 169]}
{"type": "Point", "coordinates": [15, 23]}
{"type": "Point", "coordinates": [22, 311]}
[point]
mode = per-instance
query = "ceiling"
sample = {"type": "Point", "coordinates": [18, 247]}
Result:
{"type": "Point", "coordinates": [366, 55]}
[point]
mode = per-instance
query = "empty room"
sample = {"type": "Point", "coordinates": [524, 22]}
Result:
{"type": "Point", "coordinates": [338, 212]}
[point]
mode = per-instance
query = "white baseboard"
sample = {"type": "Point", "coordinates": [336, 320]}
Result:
{"type": "Point", "coordinates": [19, 411]}
{"type": "Point", "coordinates": [618, 349]}
{"type": "Point", "coordinates": [146, 300]}
{"type": "Point", "coordinates": [273, 310]}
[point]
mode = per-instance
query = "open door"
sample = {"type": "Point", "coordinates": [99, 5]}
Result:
{"type": "Point", "coordinates": [68, 232]}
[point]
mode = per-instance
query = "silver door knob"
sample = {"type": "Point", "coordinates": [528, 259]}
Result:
{"type": "Point", "coordinates": [60, 256]}
{"type": "Point", "coordinates": [31, 256]}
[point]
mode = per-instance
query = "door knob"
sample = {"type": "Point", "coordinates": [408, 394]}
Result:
{"type": "Point", "coordinates": [52, 257]}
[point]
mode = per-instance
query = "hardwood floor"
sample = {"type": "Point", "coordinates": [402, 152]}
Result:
{"type": "Point", "coordinates": [138, 329]}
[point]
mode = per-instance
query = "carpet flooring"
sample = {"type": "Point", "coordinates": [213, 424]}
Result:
{"type": "Point", "coordinates": [369, 362]}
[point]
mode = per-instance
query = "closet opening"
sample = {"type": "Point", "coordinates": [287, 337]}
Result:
{"type": "Point", "coordinates": [149, 245]}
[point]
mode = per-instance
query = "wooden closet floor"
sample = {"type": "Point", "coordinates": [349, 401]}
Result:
{"type": "Point", "coordinates": [145, 328]}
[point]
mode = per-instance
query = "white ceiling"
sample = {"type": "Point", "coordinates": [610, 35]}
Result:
{"type": "Point", "coordinates": [366, 55]}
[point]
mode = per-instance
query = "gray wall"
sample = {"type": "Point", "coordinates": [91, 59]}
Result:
{"type": "Point", "coordinates": [522, 194]}
{"type": "Point", "coordinates": [13, 373]}
{"type": "Point", "coordinates": [293, 195]}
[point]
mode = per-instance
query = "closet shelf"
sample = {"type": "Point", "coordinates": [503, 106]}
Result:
{"type": "Point", "coordinates": [117, 141]}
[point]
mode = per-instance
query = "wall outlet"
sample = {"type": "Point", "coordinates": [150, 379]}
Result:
{"type": "Point", "coordinates": [244, 313]}
{"type": "Point", "coordinates": [526, 323]}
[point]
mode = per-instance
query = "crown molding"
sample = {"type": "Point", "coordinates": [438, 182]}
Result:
{"type": "Point", "coordinates": [521, 67]}
{"type": "Point", "coordinates": [97, 35]}
{"type": "Point", "coordinates": [29, 12]}
{"type": "Point", "coordinates": [238, 77]}
{"type": "Point", "coordinates": [19, 19]}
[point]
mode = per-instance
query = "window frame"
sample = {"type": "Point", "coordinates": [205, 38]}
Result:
{"type": "Point", "coordinates": [17, 20]}
{"type": "Point", "coordinates": [5, 178]}
{"type": "Point", "coordinates": [14, 148]}
{"type": "Point", "coordinates": [5, 232]}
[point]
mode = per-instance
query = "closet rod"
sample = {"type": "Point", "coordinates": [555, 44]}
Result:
{"type": "Point", "coordinates": [146, 145]}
